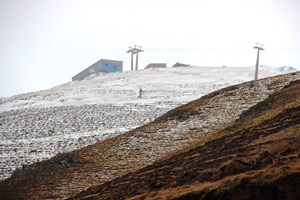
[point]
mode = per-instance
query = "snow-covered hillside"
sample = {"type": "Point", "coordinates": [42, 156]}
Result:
{"type": "Point", "coordinates": [35, 126]}
{"type": "Point", "coordinates": [170, 84]}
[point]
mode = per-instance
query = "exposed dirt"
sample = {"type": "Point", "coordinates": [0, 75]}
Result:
{"type": "Point", "coordinates": [209, 147]}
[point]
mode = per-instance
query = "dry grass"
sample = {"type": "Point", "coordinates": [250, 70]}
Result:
{"type": "Point", "coordinates": [230, 181]}
{"type": "Point", "coordinates": [277, 147]}
{"type": "Point", "coordinates": [267, 174]}
{"type": "Point", "coordinates": [171, 193]}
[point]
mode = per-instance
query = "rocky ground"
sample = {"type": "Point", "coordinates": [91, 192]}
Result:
{"type": "Point", "coordinates": [67, 174]}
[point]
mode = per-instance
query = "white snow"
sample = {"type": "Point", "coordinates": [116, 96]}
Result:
{"type": "Point", "coordinates": [165, 84]}
{"type": "Point", "coordinates": [38, 125]}
{"type": "Point", "coordinates": [286, 69]}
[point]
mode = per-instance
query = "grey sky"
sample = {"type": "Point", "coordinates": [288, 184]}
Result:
{"type": "Point", "coordinates": [44, 43]}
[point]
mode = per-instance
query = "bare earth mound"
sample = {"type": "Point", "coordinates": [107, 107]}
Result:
{"type": "Point", "coordinates": [212, 148]}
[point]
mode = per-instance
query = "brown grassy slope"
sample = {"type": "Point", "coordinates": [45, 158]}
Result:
{"type": "Point", "coordinates": [256, 158]}
{"type": "Point", "coordinates": [67, 174]}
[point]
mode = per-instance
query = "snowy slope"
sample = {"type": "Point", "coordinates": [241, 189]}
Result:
{"type": "Point", "coordinates": [170, 84]}
{"type": "Point", "coordinates": [35, 126]}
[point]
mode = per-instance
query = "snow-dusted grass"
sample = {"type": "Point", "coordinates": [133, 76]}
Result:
{"type": "Point", "coordinates": [34, 134]}
{"type": "Point", "coordinates": [38, 125]}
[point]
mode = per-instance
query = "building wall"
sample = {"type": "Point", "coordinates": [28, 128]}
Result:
{"type": "Point", "coordinates": [102, 65]}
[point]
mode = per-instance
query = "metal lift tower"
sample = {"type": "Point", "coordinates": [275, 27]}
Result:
{"type": "Point", "coordinates": [135, 50]}
{"type": "Point", "coordinates": [258, 47]}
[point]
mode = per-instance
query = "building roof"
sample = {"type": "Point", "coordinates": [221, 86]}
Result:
{"type": "Point", "coordinates": [180, 65]}
{"type": "Point", "coordinates": [99, 66]}
{"type": "Point", "coordinates": [156, 65]}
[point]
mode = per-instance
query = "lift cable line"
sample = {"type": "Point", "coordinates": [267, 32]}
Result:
{"type": "Point", "coordinates": [258, 47]}
{"type": "Point", "coordinates": [191, 50]}
{"type": "Point", "coordinates": [135, 50]}
{"type": "Point", "coordinates": [284, 49]}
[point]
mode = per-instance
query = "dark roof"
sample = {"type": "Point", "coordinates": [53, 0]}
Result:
{"type": "Point", "coordinates": [180, 65]}
{"type": "Point", "coordinates": [156, 65]}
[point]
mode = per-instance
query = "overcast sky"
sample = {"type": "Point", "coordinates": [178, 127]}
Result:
{"type": "Point", "coordinates": [44, 43]}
